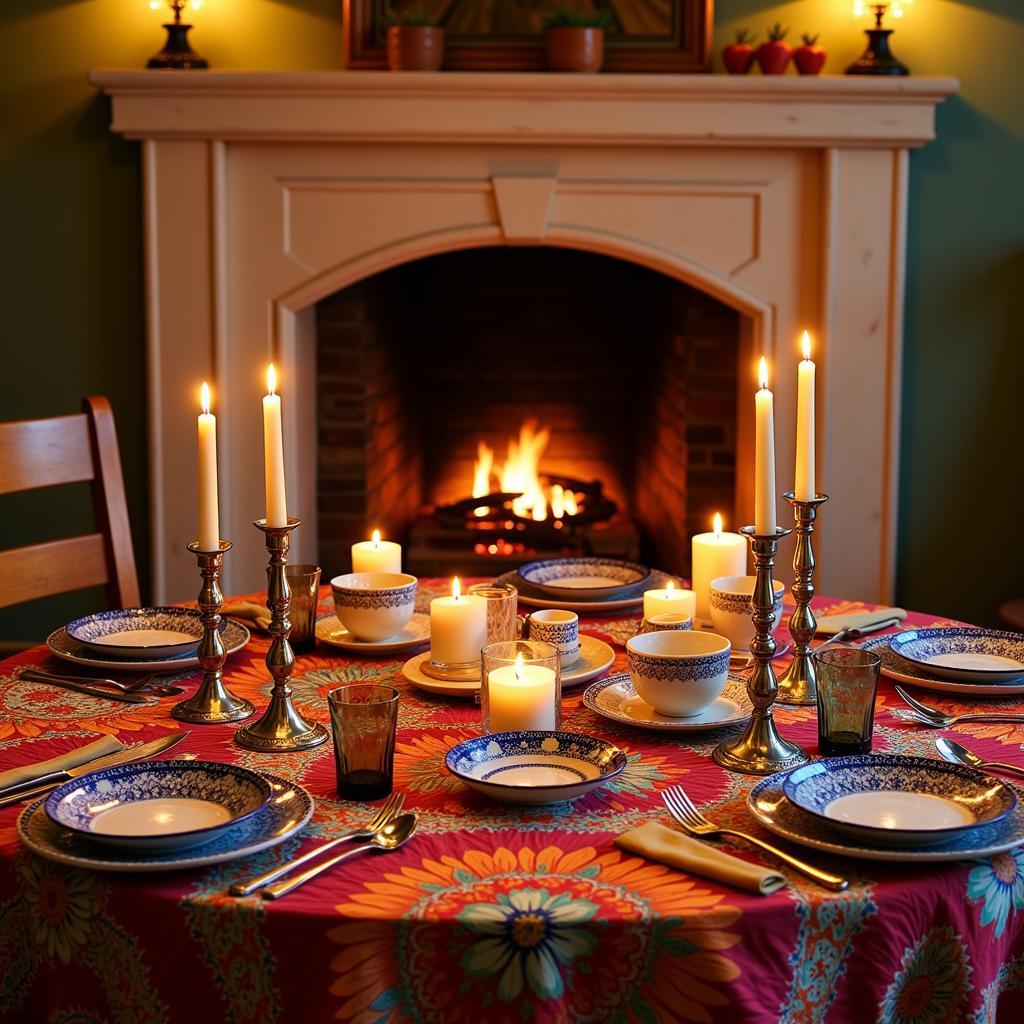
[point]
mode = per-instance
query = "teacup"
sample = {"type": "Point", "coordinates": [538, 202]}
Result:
{"type": "Point", "coordinates": [666, 620]}
{"type": "Point", "coordinates": [678, 672]}
{"type": "Point", "coordinates": [557, 627]}
{"type": "Point", "coordinates": [374, 605]}
{"type": "Point", "coordinates": [729, 600]}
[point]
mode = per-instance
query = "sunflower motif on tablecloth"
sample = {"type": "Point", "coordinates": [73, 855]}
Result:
{"type": "Point", "coordinates": [999, 883]}
{"type": "Point", "coordinates": [551, 932]}
{"type": "Point", "coordinates": [420, 767]}
{"type": "Point", "coordinates": [62, 904]}
{"type": "Point", "coordinates": [1010, 978]}
{"type": "Point", "coordinates": [932, 983]}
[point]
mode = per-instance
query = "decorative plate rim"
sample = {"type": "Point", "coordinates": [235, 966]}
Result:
{"type": "Point", "coordinates": [643, 571]}
{"type": "Point", "coordinates": [170, 611]}
{"type": "Point", "coordinates": [907, 636]}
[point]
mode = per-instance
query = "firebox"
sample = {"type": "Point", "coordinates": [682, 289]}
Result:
{"type": "Point", "coordinates": [492, 406]}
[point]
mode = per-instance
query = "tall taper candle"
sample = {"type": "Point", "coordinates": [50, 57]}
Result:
{"type": "Point", "coordinates": [764, 460]}
{"type": "Point", "coordinates": [273, 454]}
{"type": "Point", "coordinates": [209, 515]}
{"type": "Point", "coordinates": [803, 488]}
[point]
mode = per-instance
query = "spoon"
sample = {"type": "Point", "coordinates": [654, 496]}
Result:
{"type": "Point", "coordinates": [393, 835]}
{"type": "Point", "coordinates": [954, 752]}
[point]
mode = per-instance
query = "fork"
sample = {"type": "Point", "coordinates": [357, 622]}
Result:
{"type": "Point", "coordinates": [685, 812]}
{"type": "Point", "coordinates": [938, 719]}
{"type": "Point", "coordinates": [385, 813]}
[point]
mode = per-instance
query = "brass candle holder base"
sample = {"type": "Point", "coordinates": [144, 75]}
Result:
{"type": "Point", "coordinates": [761, 750]}
{"type": "Point", "coordinates": [799, 683]}
{"type": "Point", "coordinates": [281, 728]}
{"type": "Point", "coordinates": [213, 702]}
{"type": "Point", "coordinates": [466, 672]}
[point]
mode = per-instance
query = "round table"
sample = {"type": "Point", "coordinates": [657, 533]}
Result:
{"type": "Point", "coordinates": [496, 912]}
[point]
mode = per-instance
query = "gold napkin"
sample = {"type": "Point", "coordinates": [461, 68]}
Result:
{"type": "Point", "coordinates": [72, 759]}
{"type": "Point", "coordinates": [257, 614]}
{"type": "Point", "coordinates": [657, 842]}
{"type": "Point", "coordinates": [832, 624]}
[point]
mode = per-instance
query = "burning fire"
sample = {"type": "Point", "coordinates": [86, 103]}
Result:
{"type": "Point", "coordinates": [520, 475]}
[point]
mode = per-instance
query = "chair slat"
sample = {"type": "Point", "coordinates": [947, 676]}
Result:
{"type": "Point", "coordinates": [42, 453]}
{"type": "Point", "coordinates": [55, 567]}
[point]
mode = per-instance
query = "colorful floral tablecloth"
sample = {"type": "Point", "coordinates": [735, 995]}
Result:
{"type": "Point", "coordinates": [493, 912]}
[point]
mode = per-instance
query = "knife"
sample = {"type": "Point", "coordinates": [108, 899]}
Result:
{"type": "Point", "coordinates": [138, 752]}
{"type": "Point", "coordinates": [92, 691]}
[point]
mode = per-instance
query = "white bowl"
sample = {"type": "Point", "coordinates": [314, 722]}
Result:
{"type": "Point", "coordinates": [678, 672]}
{"type": "Point", "coordinates": [374, 605]}
{"type": "Point", "coordinates": [729, 599]}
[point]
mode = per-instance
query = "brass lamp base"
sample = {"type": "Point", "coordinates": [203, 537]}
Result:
{"type": "Point", "coordinates": [177, 54]}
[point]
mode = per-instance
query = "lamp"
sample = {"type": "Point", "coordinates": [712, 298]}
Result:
{"type": "Point", "coordinates": [177, 53]}
{"type": "Point", "coordinates": [877, 59]}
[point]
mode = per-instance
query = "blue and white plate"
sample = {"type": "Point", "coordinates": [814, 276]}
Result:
{"type": "Point", "coordinates": [898, 800]}
{"type": "Point", "coordinates": [288, 812]}
{"type": "Point", "coordinates": [584, 579]}
{"type": "Point", "coordinates": [964, 652]}
{"type": "Point", "coordinates": [158, 805]}
{"type": "Point", "coordinates": [768, 804]}
{"type": "Point", "coordinates": [139, 632]}
{"type": "Point", "coordinates": [631, 597]}
{"type": "Point", "coordinates": [233, 635]}
{"type": "Point", "coordinates": [535, 768]}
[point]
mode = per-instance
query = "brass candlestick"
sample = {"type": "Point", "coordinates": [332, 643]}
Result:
{"type": "Point", "coordinates": [799, 683]}
{"type": "Point", "coordinates": [213, 702]}
{"type": "Point", "coordinates": [761, 750]}
{"type": "Point", "coordinates": [281, 728]}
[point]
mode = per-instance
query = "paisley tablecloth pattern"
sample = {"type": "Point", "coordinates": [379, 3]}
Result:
{"type": "Point", "coordinates": [498, 913]}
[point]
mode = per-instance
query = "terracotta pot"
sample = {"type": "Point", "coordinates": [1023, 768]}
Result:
{"type": "Point", "coordinates": [575, 49]}
{"type": "Point", "coordinates": [415, 48]}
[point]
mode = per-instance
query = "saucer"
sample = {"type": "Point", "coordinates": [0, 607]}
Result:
{"type": "Point", "coordinates": [535, 768]}
{"type": "Point", "coordinates": [963, 653]}
{"type": "Point", "coordinates": [412, 670]}
{"type": "Point", "coordinates": [584, 579]}
{"type": "Point", "coordinates": [234, 636]}
{"type": "Point", "coordinates": [416, 633]}
{"type": "Point", "coordinates": [288, 812]}
{"type": "Point", "coordinates": [616, 699]}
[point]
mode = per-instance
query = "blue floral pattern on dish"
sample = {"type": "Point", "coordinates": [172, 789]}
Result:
{"type": "Point", "coordinates": [670, 669]}
{"type": "Point", "coordinates": [545, 572]}
{"type": "Point", "coordinates": [921, 645]}
{"type": "Point", "coordinates": [91, 628]}
{"type": "Point", "coordinates": [363, 597]}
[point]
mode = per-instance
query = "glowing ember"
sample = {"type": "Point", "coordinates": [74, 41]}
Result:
{"type": "Point", "coordinates": [520, 475]}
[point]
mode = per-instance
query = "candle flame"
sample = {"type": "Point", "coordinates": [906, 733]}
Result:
{"type": "Point", "coordinates": [762, 373]}
{"type": "Point", "coordinates": [519, 667]}
{"type": "Point", "coordinates": [456, 588]}
{"type": "Point", "coordinates": [718, 524]}
{"type": "Point", "coordinates": [204, 397]}
{"type": "Point", "coordinates": [669, 587]}
{"type": "Point", "coordinates": [376, 538]}
{"type": "Point", "coordinates": [271, 379]}
{"type": "Point", "coordinates": [805, 344]}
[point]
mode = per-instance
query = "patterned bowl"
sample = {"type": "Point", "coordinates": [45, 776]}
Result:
{"type": "Point", "coordinates": [158, 805]}
{"type": "Point", "coordinates": [535, 768]}
{"type": "Point", "coordinates": [729, 599]}
{"type": "Point", "coordinates": [896, 800]}
{"type": "Point", "coordinates": [679, 672]}
{"type": "Point", "coordinates": [374, 605]}
{"type": "Point", "coordinates": [140, 632]}
{"type": "Point", "coordinates": [964, 653]}
{"type": "Point", "coordinates": [584, 579]}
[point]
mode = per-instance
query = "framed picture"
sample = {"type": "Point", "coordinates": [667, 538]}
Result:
{"type": "Point", "coordinates": [508, 35]}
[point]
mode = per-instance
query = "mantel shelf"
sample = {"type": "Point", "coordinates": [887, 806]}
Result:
{"type": "Point", "coordinates": [524, 108]}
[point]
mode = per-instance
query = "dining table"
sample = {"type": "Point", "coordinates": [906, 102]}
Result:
{"type": "Point", "coordinates": [492, 911]}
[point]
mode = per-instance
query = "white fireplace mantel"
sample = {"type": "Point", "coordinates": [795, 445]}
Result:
{"type": "Point", "coordinates": [266, 191]}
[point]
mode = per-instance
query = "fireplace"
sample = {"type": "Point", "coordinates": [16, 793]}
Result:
{"type": "Point", "coordinates": [449, 386]}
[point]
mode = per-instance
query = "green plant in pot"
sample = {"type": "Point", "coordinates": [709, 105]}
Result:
{"type": "Point", "coordinates": [576, 38]}
{"type": "Point", "coordinates": [415, 41]}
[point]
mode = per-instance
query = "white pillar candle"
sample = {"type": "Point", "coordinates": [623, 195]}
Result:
{"type": "Point", "coordinates": [209, 514]}
{"type": "Point", "coordinates": [458, 627]}
{"type": "Point", "coordinates": [376, 555]}
{"type": "Point", "coordinates": [273, 453]}
{"type": "Point", "coordinates": [803, 487]}
{"type": "Point", "coordinates": [671, 600]}
{"type": "Point", "coordinates": [713, 555]}
{"type": "Point", "coordinates": [764, 457]}
{"type": "Point", "coordinates": [521, 697]}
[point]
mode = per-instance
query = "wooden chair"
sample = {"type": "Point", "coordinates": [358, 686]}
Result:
{"type": "Point", "coordinates": [63, 450]}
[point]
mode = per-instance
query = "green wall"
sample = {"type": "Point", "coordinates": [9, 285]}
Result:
{"type": "Point", "coordinates": [71, 290]}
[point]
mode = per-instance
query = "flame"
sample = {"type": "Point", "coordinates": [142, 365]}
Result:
{"type": "Point", "coordinates": [519, 667]}
{"type": "Point", "coordinates": [204, 397]}
{"type": "Point", "coordinates": [520, 475]}
{"type": "Point", "coordinates": [375, 537]}
{"type": "Point", "coordinates": [271, 379]}
{"type": "Point", "coordinates": [669, 587]}
{"type": "Point", "coordinates": [718, 524]}
{"type": "Point", "coordinates": [456, 588]}
{"type": "Point", "coordinates": [762, 373]}
{"type": "Point", "coordinates": [805, 344]}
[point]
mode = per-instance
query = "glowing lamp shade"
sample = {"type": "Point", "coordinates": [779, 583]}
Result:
{"type": "Point", "coordinates": [177, 53]}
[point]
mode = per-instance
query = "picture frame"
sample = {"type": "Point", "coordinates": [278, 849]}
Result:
{"type": "Point", "coordinates": [677, 37]}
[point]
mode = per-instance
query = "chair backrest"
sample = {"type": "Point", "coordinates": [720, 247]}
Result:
{"type": "Point", "coordinates": [63, 450]}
